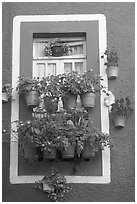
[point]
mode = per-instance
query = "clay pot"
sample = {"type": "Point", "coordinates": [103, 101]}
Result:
{"type": "Point", "coordinates": [112, 72]}
{"type": "Point", "coordinates": [119, 121]}
{"type": "Point", "coordinates": [88, 100]}
{"type": "Point", "coordinates": [49, 153]}
{"type": "Point", "coordinates": [5, 97]}
{"type": "Point", "coordinates": [69, 152]}
{"type": "Point", "coordinates": [69, 101]}
{"type": "Point", "coordinates": [57, 51]}
{"type": "Point", "coordinates": [32, 98]}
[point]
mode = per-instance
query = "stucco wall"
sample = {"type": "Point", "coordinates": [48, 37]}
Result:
{"type": "Point", "coordinates": [120, 34]}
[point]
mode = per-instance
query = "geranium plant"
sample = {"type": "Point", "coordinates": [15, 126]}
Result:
{"type": "Point", "coordinates": [89, 85]}
{"type": "Point", "coordinates": [120, 110]}
{"type": "Point", "coordinates": [111, 61]}
{"type": "Point", "coordinates": [6, 92]}
{"type": "Point", "coordinates": [54, 184]}
{"type": "Point", "coordinates": [64, 48]}
{"type": "Point", "coordinates": [31, 89]}
{"type": "Point", "coordinates": [26, 84]}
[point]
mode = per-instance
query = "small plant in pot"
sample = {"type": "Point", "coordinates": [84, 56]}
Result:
{"type": "Point", "coordinates": [111, 61]}
{"type": "Point", "coordinates": [54, 184]}
{"type": "Point", "coordinates": [50, 89]}
{"type": "Point", "coordinates": [69, 89]}
{"type": "Point", "coordinates": [6, 92]}
{"type": "Point", "coordinates": [49, 136]}
{"type": "Point", "coordinates": [120, 110]}
{"type": "Point", "coordinates": [31, 89]}
{"type": "Point", "coordinates": [95, 142]}
{"type": "Point", "coordinates": [28, 134]}
{"type": "Point", "coordinates": [89, 85]}
{"type": "Point", "coordinates": [56, 48]}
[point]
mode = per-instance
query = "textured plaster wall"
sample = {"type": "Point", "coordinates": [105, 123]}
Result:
{"type": "Point", "coordinates": [120, 34]}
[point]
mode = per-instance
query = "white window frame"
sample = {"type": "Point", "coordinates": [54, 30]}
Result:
{"type": "Point", "coordinates": [14, 177]}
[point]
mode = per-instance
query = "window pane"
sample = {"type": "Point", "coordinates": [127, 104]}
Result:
{"type": "Point", "coordinates": [67, 68]}
{"type": "Point", "coordinates": [76, 50]}
{"type": "Point", "coordinates": [51, 69]}
{"type": "Point", "coordinates": [79, 67]}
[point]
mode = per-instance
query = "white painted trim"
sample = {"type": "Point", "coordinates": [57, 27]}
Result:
{"type": "Point", "coordinates": [14, 178]}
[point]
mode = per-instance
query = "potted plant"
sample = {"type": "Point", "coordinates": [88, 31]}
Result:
{"type": "Point", "coordinates": [111, 61]}
{"type": "Point", "coordinates": [30, 88]}
{"type": "Point", "coordinates": [6, 92]}
{"type": "Point", "coordinates": [56, 48]}
{"type": "Point", "coordinates": [49, 138]}
{"type": "Point", "coordinates": [95, 142]}
{"type": "Point", "coordinates": [69, 89]}
{"type": "Point", "coordinates": [120, 110]}
{"type": "Point", "coordinates": [50, 89]}
{"type": "Point", "coordinates": [27, 133]}
{"type": "Point", "coordinates": [89, 85]}
{"type": "Point", "coordinates": [54, 184]}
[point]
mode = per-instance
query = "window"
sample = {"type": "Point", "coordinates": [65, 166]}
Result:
{"type": "Point", "coordinates": [46, 65]}
{"type": "Point", "coordinates": [88, 41]}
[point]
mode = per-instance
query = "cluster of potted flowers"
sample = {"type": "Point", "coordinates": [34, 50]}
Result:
{"type": "Point", "coordinates": [66, 86]}
{"type": "Point", "coordinates": [67, 132]}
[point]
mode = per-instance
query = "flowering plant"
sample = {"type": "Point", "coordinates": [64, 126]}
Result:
{"type": "Point", "coordinates": [90, 83]}
{"type": "Point", "coordinates": [56, 185]}
{"type": "Point", "coordinates": [26, 84]}
{"type": "Point", "coordinates": [7, 88]}
{"type": "Point", "coordinates": [111, 58]}
{"type": "Point", "coordinates": [121, 107]}
{"type": "Point", "coordinates": [57, 42]}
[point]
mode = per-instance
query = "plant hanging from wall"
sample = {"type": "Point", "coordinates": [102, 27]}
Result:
{"type": "Point", "coordinates": [6, 92]}
{"type": "Point", "coordinates": [31, 89]}
{"type": "Point", "coordinates": [54, 184]}
{"type": "Point", "coordinates": [111, 61]}
{"type": "Point", "coordinates": [89, 85]}
{"type": "Point", "coordinates": [120, 110]}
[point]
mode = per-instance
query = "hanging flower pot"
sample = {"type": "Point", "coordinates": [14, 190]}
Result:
{"type": "Point", "coordinates": [120, 110]}
{"type": "Point", "coordinates": [88, 100]}
{"type": "Point", "coordinates": [32, 98]}
{"type": "Point", "coordinates": [119, 121]}
{"type": "Point", "coordinates": [69, 152]}
{"type": "Point", "coordinates": [57, 51]}
{"type": "Point", "coordinates": [49, 153]}
{"type": "Point", "coordinates": [112, 72]}
{"type": "Point", "coordinates": [69, 100]}
{"type": "Point", "coordinates": [5, 97]}
{"type": "Point", "coordinates": [6, 92]}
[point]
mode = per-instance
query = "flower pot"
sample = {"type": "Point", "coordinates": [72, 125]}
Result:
{"type": "Point", "coordinates": [87, 152]}
{"type": "Point", "coordinates": [49, 153]}
{"type": "Point", "coordinates": [57, 51]}
{"type": "Point", "coordinates": [119, 121]}
{"type": "Point", "coordinates": [69, 152]}
{"type": "Point", "coordinates": [69, 101]}
{"type": "Point", "coordinates": [112, 72]}
{"type": "Point", "coordinates": [88, 100]}
{"type": "Point", "coordinates": [30, 151]}
{"type": "Point", "coordinates": [32, 98]}
{"type": "Point", "coordinates": [5, 97]}
{"type": "Point", "coordinates": [50, 104]}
